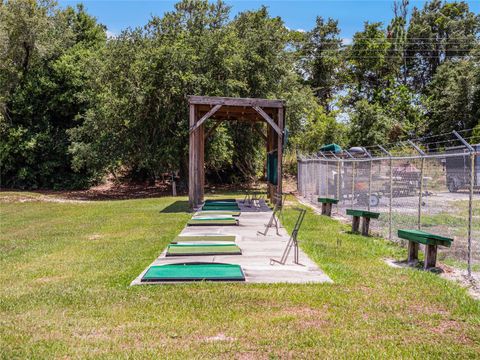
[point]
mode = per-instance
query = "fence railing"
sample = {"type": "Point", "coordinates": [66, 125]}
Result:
{"type": "Point", "coordinates": [411, 185]}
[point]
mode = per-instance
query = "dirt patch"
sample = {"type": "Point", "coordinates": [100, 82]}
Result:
{"type": "Point", "coordinates": [219, 337]}
{"type": "Point", "coordinates": [472, 284]}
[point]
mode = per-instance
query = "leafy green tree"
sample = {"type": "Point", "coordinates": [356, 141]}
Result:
{"type": "Point", "coordinates": [437, 33]}
{"type": "Point", "coordinates": [43, 90]}
{"type": "Point", "coordinates": [321, 57]}
{"type": "Point", "coordinates": [451, 97]}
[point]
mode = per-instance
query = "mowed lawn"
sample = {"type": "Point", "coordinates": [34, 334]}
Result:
{"type": "Point", "coordinates": [66, 270]}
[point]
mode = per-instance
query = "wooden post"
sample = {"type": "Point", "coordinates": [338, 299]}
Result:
{"type": "Point", "coordinates": [412, 252]}
{"type": "Point", "coordinates": [328, 209]}
{"type": "Point", "coordinates": [365, 225]}
{"type": "Point", "coordinates": [355, 223]}
{"type": "Point", "coordinates": [191, 154]}
{"type": "Point", "coordinates": [201, 162]}
{"type": "Point", "coordinates": [430, 256]}
{"type": "Point", "coordinates": [280, 153]}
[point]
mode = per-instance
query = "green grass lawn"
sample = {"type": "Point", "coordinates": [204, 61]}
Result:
{"type": "Point", "coordinates": [64, 293]}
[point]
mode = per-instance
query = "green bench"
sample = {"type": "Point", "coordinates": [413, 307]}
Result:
{"type": "Point", "coordinates": [431, 242]}
{"type": "Point", "coordinates": [365, 215]}
{"type": "Point", "coordinates": [327, 205]}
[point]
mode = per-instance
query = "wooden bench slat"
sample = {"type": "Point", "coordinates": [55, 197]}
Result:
{"type": "Point", "coordinates": [327, 200]}
{"type": "Point", "coordinates": [363, 213]}
{"type": "Point", "coordinates": [424, 237]}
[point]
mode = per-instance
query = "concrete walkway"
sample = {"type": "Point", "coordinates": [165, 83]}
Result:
{"type": "Point", "coordinates": [257, 250]}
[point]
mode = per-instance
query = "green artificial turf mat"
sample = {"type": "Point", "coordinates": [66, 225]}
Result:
{"type": "Point", "coordinates": [217, 212]}
{"type": "Point", "coordinates": [203, 249]}
{"type": "Point", "coordinates": [205, 237]}
{"type": "Point", "coordinates": [194, 272]}
{"type": "Point", "coordinates": [200, 221]}
{"type": "Point", "coordinates": [221, 207]}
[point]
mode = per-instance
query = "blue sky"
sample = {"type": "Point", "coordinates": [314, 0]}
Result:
{"type": "Point", "coordinates": [120, 14]}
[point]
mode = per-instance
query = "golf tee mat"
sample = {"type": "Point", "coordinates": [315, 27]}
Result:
{"type": "Point", "coordinates": [194, 272]}
{"type": "Point", "coordinates": [190, 249]}
{"type": "Point", "coordinates": [213, 220]}
{"type": "Point", "coordinates": [204, 237]}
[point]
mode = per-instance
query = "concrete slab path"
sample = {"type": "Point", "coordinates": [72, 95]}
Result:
{"type": "Point", "coordinates": [257, 250]}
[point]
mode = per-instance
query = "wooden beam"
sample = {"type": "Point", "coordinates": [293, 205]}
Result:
{"type": "Point", "coordinates": [212, 129]}
{"type": "Point", "coordinates": [269, 120]}
{"type": "Point", "coordinates": [191, 156]}
{"type": "Point", "coordinates": [205, 117]}
{"type": "Point", "coordinates": [228, 101]}
{"type": "Point", "coordinates": [281, 125]}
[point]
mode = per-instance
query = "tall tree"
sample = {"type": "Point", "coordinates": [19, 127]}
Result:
{"type": "Point", "coordinates": [321, 56]}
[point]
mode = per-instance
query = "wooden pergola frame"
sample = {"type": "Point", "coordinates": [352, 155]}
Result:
{"type": "Point", "coordinates": [222, 109]}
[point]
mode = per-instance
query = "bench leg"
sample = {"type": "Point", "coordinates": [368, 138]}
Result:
{"type": "Point", "coordinates": [412, 252]}
{"type": "Point", "coordinates": [365, 225]}
{"type": "Point", "coordinates": [355, 223]}
{"type": "Point", "coordinates": [430, 257]}
{"type": "Point", "coordinates": [328, 209]}
{"type": "Point", "coordinates": [324, 208]}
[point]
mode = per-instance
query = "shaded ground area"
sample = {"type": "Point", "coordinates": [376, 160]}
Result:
{"type": "Point", "coordinates": [64, 293]}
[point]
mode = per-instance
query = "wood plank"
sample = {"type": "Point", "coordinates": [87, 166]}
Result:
{"type": "Point", "coordinates": [280, 152]}
{"type": "Point", "coordinates": [204, 118]}
{"type": "Point", "coordinates": [191, 152]}
{"type": "Point", "coordinates": [412, 252]}
{"type": "Point", "coordinates": [430, 257]}
{"type": "Point", "coordinates": [269, 120]}
{"type": "Point", "coordinates": [229, 101]}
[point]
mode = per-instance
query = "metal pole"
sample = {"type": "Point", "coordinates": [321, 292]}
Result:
{"type": "Point", "coordinates": [390, 217]}
{"type": "Point", "coordinates": [470, 213]}
{"type": "Point", "coordinates": [470, 200]}
{"type": "Point", "coordinates": [370, 184]}
{"type": "Point", "coordinates": [338, 183]}
{"type": "Point", "coordinates": [420, 195]}
{"type": "Point", "coordinates": [353, 184]}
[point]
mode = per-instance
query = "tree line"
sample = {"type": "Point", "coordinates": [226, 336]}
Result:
{"type": "Point", "coordinates": [76, 105]}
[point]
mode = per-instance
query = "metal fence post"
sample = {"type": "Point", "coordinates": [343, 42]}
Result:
{"type": "Point", "coordinates": [470, 213]}
{"type": "Point", "coordinates": [353, 184]}
{"type": "Point", "coordinates": [338, 183]}
{"type": "Point", "coordinates": [420, 195]}
{"type": "Point", "coordinates": [390, 218]}
{"type": "Point", "coordinates": [470, 200]}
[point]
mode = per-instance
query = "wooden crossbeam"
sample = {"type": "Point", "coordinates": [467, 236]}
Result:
{"type": "Point", "coordinates": [205, 117]}
{"type": "Point", "coordinates": [269, 120]}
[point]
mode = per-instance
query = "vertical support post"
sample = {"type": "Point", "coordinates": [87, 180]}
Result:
{"type": "Point", "coordinates": [191, 162]}
{"type": "Point", "coordinates": [370, 184]}
{"type": "Point", "coordinates": [390, 220]}
{"type": "Point", "coordinates": [470, 199]}
{"type": "Point", "coordinates": [338, 184]}
{"type": "Point", "coordinates": [353, 184]}
{"type": "Point", "coordinates": [201, 162]}
{"type": "Point", "coordinates": [420, 195]}
{"type": "Point", "coordinates": [280, 154]}
{"type": "Point", "coordinates": [390, 216]}
{"type": "Point", "coordinates": [470, 213]}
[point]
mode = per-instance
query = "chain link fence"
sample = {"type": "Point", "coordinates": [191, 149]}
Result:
{"type": "Point", "coordinates": [413, 185]}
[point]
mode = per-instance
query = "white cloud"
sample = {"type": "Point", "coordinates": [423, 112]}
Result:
{"type": "Point", "coordinates": [111, 34]}
{"type": "Point", "coordinates": [347, 41]}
